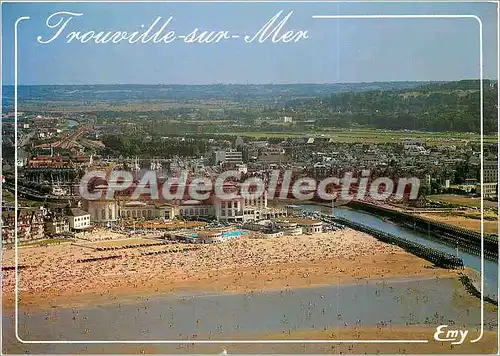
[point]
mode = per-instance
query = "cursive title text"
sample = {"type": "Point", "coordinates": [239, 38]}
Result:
{"type": "Point", "coordinates": [161, 31]}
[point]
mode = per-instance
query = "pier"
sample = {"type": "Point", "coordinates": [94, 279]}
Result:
{"type": "Point", "coordinates": [440, 259]}
{"type": "Point", "coordinates": [467, 240]}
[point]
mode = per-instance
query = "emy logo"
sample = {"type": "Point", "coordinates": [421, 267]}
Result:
{"type": "Point", "coordinates": [457, 336]}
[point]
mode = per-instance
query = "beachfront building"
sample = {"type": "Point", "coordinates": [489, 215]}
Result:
{"type": "Point", "coordinates": [195, 208]}
{"type": "Point", "coordinates": [272, 213]}
{"type": "Point", "coordinates": [30, 225]}
{"type": "Point", "coordinates": [307, 226]}
{"type": "Point", "coordinates": [273, 234]}
{"type": "Point", "coordinates": [253, 207]}
{"type": "Point", "coordinates": [56, 225]}
{"type": "Point", "coordinates": [166, 211]}
{"type": "Point", "coordinates": [111, 211]}
{"type": "Point", "coordinates": [78, 219]}
{"type": "Point", "coordinates": [137, 210]}
{"type": "Point", "coordinates": [210, 236]}
{"type": "Point", "coordinates": [310, 226]}
{"type": "Point", "coordinates": [102, 211]}
{"type": "Point", "coordinates": [229, 209]}
{"type": "Point", "coordinates": [255, 226]}
{"type": "Point", "coordinates": [289, 227]}
{"type": "Point", "coordinates": [243, 209]}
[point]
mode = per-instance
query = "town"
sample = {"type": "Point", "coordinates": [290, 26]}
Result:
{"type": "Point", "coordinates": [208, 195]}
{"type": "Point", "coordinates": [249, 177]}
{"type": "Point", "coordinates": [56, 152]}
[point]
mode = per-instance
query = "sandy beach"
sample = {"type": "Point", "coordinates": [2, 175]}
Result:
{"type": "Point", "coordinates": [487, 345]}
{"type": "Point", "coordinates": [54, 277]}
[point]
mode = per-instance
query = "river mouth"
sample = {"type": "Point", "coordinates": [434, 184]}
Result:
{"type": "Point", "coordinates": [379, 223]}
{"type": "Point", "coordinates": [392, 303]}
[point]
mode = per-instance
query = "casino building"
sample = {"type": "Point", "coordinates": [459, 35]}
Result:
{"type": "Point", "coordinates": [232, 209]}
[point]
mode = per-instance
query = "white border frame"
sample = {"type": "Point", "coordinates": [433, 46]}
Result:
{"type": "Point", "coordinates": [315, 17]}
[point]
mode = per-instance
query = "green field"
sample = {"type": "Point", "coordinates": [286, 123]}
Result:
{"type": "Point", "coordinates": [375, 136]}
{"type": "Point", "coordinates": [461, 200]}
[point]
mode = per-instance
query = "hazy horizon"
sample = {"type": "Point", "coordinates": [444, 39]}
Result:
{"type": "Point", "coordinates": [260, 84]}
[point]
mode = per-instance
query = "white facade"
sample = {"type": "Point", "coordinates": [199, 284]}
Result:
{"type": "Point", "coordinates": [195, 209]}
{"type": "Point", "coordinates": [244, 209]}
{"type": "Point", "coordinates": [490, 190]}
{"type": "Point", "coordinates": [78, 219]}
{"type": "Point", "coordinates": [137, 210]}
{"type": "Point", "coordinates": [255, 208]}
{"type": "Point", "coordinates": [102, 211]}
{"type": "Point", "coordinates": [312, 227]}
{"type": "Point", "coordinates": [230, 210]}
{"type": "Point", "coordinates": [110, 211]}
{"type": "Point", "coordinates": [228, 157]}
{"type": "Point", "coordinates": [210, 236]}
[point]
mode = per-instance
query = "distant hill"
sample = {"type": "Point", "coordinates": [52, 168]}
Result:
{"type": "Point", "coordinates": [425, 106]}
{"type": "Point", "coordinates": [234, 92]}
{"type": "Point", "coordinates": [453, 106]}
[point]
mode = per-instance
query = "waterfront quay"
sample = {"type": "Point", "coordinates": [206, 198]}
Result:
{"type": "Point", "coordinates": [467, 240]}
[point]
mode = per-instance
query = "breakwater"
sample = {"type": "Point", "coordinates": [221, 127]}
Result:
{"type": "Point", "coordinates": [467, 240]}
{"type": "Point", "coordinates": [469, 286]}
{"type": "Point", "coordinates": [440, 259]}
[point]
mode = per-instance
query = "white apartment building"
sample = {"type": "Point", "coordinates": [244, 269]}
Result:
{"type": "Point", "coordinates": [228, 157]}
{"type": "Point", "coordinates": [490, 190]}
{"type": "Point", "coordinates": [78, 219]}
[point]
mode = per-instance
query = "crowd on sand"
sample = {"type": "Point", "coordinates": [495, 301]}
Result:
{"type": "Point", "coordinates": [238, 265]}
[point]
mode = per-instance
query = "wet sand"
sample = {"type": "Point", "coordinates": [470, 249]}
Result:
{"type": "Point", "coordinates": [388, 310]}
{"type": "Point", "coordinates": [487, 345]}
{"type": "Point", "coordinates": [242, 265]}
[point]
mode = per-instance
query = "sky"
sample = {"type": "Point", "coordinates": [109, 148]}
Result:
{"type": "Point", "coordinates": [336, 51]}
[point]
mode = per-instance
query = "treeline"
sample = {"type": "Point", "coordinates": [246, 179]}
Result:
{"type": "Point", "coordinates": [124, 93]}
{"type": "Point", "coordinates": [434, 107]}
{"type": "Point", "coordinates": [129, 145]}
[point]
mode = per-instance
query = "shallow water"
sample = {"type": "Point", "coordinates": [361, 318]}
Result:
{"type": "Point", "coordinates": [376, 222]}
{"type": "Point", "coordinates": [176, 317]}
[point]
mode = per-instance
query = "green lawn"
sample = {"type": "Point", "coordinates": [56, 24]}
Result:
{"type": "Point", "coordinates": [461, 200]}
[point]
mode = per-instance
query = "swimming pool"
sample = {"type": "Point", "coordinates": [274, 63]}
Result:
{"type": "Point", "coordinates": [225, 235]}
{"type": "Point", "coordinates": [235, 233]}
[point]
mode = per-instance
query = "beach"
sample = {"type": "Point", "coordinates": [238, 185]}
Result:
{"type": "Point", "coordinates": [487, 345]}
{"type": "Point", "coordinates": [392, 309]}
{"type": "Point", "coordinates": [52, 275]}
